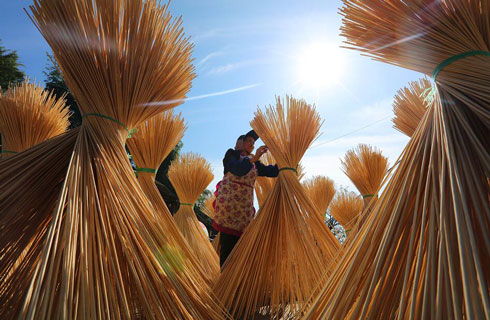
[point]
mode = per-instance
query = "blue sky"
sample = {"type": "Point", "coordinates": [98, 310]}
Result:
{"type": "Point", "coordinates": [257, 47]}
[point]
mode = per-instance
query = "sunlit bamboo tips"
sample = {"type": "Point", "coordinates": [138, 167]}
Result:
{"type": "Point", "coordinates": [261, 275]}
{"type": "Point", "coordinates": [30, 115]}
{"type": "Point", "coordinates": [410, 105]}
{"type": "Point", "coordinates": [150, 145]}
{"type": "Point", "coordinates": [190, 174]}
{"type": "Point", "coordinates": [321, 191]}
{"type": "Point", "coordinates": [423, 251]}
{"type": "Point", "coordinates": [346, 208]}
{"type": "Point", "coordinates": [366, 167]}
{"type": "Point", "coordinates": [207, 207]}
{"type": "Point", "coordinates": [104, 256]}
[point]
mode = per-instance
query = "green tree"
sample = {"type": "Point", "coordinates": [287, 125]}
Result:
{"type": "Point", "coordinates": [55, 82]}
{"type": "Point", "coordinates": [9, 68]}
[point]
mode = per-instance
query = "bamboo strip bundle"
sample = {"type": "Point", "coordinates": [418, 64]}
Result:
{"type": "Point", "coordinates": [149, 147]}
{"type": "Point", "coordinates": [410, 105]}
{"type": "Point", "coordinates": [99, 256]}
{"type": "Point", "coordinates": [346, 208]}
{"type": "Point", "coordinates": [190, 174]}
{"type": "Point", "coordinates": [264, 185]}
{"type": "Point", "coordinates": [321, 191]}
{"type": "Point", "coordinates": [285, 250]}
{"type": "Point", "coordinates": [30, 115]}
{"type": "Point", "coordinates": [424, 251]}
{"type": "Point", "coordinates": [208, 208]}
{"type": "Point", "coordinates": [366, 167]}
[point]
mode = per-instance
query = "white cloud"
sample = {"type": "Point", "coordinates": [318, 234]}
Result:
{"type": "Point", "coordinates": [232, 66]}
{"type": "Point", "coordinates": [209, 57]}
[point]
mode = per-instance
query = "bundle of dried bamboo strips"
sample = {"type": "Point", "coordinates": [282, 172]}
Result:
{"type": "Point", "coordinates": [154, 140]}
{"type": "Point", "coordinates": [424, 250]}
{"type": "Point", "coordinates": [190, 174]}
{"type": "Point", "coordinates": [321, 191]}
{"type": "Point", "coordinates": [285, 250]}
{"type": "Point", "coordinates": [410, 105]}
{"type": "Point", "coordinates": [366, 167]}
{"type": "Point", "coordinates": [207, 207]}
{"type": "Point", "coordinates": [30, 115]}
{"type": "Point", "coordinates": [346, 208]}
{"type": "Point", "coordinates": [97, 260]}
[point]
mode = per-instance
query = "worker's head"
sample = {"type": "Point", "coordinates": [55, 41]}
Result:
{"type": "Point", "coordinates": [249, 141]}
{"type": "Point", "coordinates": [239, 142]}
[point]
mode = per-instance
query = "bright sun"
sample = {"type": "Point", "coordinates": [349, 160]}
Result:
{"type": "Point", "coordinates": [319, 65]}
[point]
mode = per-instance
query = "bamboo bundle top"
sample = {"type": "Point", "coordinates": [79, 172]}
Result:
{"type": "Point", "coordinates": [263, 185]}
{"type": "Point", "coordinates": [287, 235]}
{"type": "Point", "coordinates": [345, 208]}
{"type": "Point", "coordinates": [154, 140]}
{"type": "Point", "coordinates": [190, 174]}
{"type": "Point", "coordinates": [124, 61]}
{"type": "Point", "coordinates": [417, 254]}
{"type": "Point", "coordinates": [410, 105]}
{"type": "Point", "coordinates": [30, 115]}
{"type": "Point", "coordinates": [321, 191]}
{"type": "Point", "coordinates": [366, 167]}
{"type": "Point", "coordinates": [149, 146]}
{"type": "Point", "coordinates": [207, 207]}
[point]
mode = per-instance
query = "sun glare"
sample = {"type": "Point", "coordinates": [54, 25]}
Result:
{"type": "Point", "coordinates": [319, 65]}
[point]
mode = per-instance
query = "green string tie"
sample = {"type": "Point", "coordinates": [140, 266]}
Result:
{"type": "Point", "coordinates": [130, 132]}
{"type": "Point", "coordinates": [149, 170]}
{"type": "Point", "coordinates": [429, 93]}
{"type": "Point", "coordinates": [288, 168]}
{"type": "Point", "coordinates": [8, 151]}
{"type": "Point", "coordinates": [455, 58]}
{"type": "Point", "coordinates": [186, 204]}
{"type": "Point", "coordinates": [368, 195]}
{"type": "Point", "coordinates": [348, 230]}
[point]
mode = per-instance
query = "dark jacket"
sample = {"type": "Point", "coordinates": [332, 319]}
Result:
{"type": "Point", "coordinates": [240, 167]}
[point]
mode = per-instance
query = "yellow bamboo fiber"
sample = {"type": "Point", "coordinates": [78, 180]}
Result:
{"type": "Point", "coordinates": [207, 208]}
{"type": "Point", "coordinates": [410, 105]}
{"type": "Point", "coordinates": [103, 256]}
{"type": "Point", "coordinates": [30, 115]}
{"type": "Point", "coordinates": [263, 185]}
{"type": "Point", "coordinates": [423, 252]}
{"type": "Point", "coordinates": [284, 251]}
{"type": "Point", "coordinates": [149, 147]}
{"type": "Point", "coordinates": [321, 191]}
{"type": "Point", "coordinates": [366, 167]}
{"type": "Point", "coordinates": [345, 208]}
{"type": "Point", "coordinates": [190, 174]}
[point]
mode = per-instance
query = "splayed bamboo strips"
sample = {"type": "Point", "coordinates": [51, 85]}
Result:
{"type": "Point", "coordinates": [207, 207]}
{"type": "Point", "coordinates": [98, 258]}
{"type": "Point", "coordinates": [410, 105]}
{"type": "Point", "coordinates": [424, 250]}
{"type": "Point", "coordinates": [30, 115]}
{"type": "Point", "coordinates": [190, 174]}
{"type": "Point", "coordinates": [217, 244]}
{"type": "Point", "coordinates": [154, 140]}
{"type": "Point", "coordinates": [263, 185]}
{"type": "Point", "coordinates": [285, 250]}
{"type": "Point", "coordinates": [366, 167]}
{"type": "Point", "coordinates": [321, 191]}
{"type": "Point", "coordinates": [346, 208]}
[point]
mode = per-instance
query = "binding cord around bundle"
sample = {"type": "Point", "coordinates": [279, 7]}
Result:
{"type": "Point", "coordinates": [94, 114]}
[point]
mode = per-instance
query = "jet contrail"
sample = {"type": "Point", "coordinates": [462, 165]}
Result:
{"type": "Point", "coordinates": [214, 94]}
